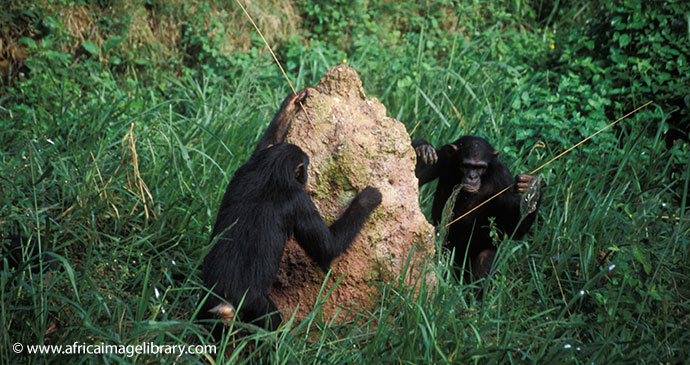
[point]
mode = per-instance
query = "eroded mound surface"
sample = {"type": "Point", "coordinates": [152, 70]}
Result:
{"type": "Point", "coordinates": [351, 144]}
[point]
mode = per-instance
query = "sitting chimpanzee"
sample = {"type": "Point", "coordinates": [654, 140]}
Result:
{"type": "Point", "coordinates": [264, 205]}
{"type": "Point", "coordinates": [473, 162]}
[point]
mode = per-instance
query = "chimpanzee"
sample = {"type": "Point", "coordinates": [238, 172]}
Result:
{"type": "Point", "coordinates": [264, 205]}
{"type": "Point", "coordinates": [473, 162]}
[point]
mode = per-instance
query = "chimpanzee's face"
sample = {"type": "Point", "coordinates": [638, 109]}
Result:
{"type": "Point", "coordinates": [473, 156]}
{"type": "Point", "coordinates": [471, 172]}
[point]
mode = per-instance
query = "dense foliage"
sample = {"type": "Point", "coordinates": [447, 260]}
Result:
{"type": "Point", "coordinates": [121, 122]}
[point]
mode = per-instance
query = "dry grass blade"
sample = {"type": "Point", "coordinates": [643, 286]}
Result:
{"type": "Point", "coordinates": [140, 189]}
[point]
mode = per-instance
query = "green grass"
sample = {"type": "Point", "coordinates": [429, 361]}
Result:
{"type": "Point", "coordinates": [129, 238]}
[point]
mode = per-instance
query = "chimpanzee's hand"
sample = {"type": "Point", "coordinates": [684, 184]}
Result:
{"type": "Point", "coordinates": [302, 94]}
{"type": "Point", "coordinates": [369, 198]}
{"type": "Point", "coordinates": [427, 153]}
{"type": "Point", "coordinates": [522, 182]}
{"type": "Point", "coordinates": [292, 101]}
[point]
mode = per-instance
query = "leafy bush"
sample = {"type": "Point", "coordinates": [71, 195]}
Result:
{"type": "Point", "coordinates": [634, 52]}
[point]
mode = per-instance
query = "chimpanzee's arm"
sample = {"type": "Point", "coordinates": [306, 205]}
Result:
{"type": "Point", "coordinates": [322, 243]}
{"type": "Point", "coordinates": [428, 165]}
{"type": "Point", "coordinates": [508, 203]}
{"type": "Point", "coordinates": [276, 131]}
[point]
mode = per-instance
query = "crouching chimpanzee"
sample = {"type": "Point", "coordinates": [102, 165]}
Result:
{"type": "Point", "coordinates": [264, 205]}
{"type": "Point", "coordinates": [473, 162]}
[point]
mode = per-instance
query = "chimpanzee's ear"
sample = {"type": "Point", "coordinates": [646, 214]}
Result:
{"type": "Point", "coordinates": [495, 152]}
{"type": "Point", "coordinates": [449, 149]}
{"type": "Point", "coordinates": [301, 173]}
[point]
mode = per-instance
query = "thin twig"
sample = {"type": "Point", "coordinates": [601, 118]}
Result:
{"type": "Point", "coordinates": [415, 127]}
{"type": "Point", "coordinates": [588, 138]}
{"type": "Point", "coordinates": [274, 56]}
{"type": "Point", "coordinates": [267, 46]}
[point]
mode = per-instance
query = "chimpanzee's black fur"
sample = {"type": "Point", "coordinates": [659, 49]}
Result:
{"type": "Point", "coordinates": [264, 205]}
{"type": "Point", "coordinates": [473, 230]}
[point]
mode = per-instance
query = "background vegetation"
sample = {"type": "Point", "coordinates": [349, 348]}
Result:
{"type": "Point", "coordinates": [123, 120]}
